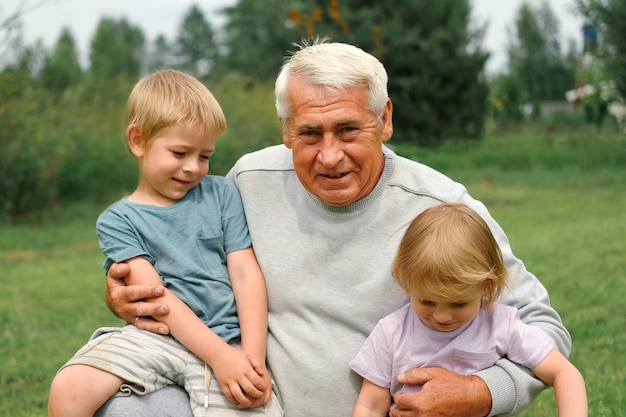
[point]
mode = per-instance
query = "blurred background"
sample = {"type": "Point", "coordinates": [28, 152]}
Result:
{"type": "Point", "coordinates": [458, 70]}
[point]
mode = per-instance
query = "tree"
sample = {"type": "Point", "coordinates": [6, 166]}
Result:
{"type": "Point", "coordinates": [61, 68]}
{"type": "Point", "coordinates": [535, 56]}
{"type": "Point", "coordinates": [257, 34]}
{"type": "Point", "coordinates": [506, 98]}
{"type": "Point", "coordinates": [608, 17]}
{"type": "Point", "coordinates": [195, 44]}
{"type": "Point", "coordinates": [117, 50]}
{"type": "Point", "coordinates": [431, 54]}
{"type": "Point", "coordinates": [11, 27]}
{"type": "Point", "coordinates": [161, 55]}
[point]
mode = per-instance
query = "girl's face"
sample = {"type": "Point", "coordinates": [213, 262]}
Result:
{"type": "Point", "coordinates": [446, 316]}
{"type": "Point", "coordinates": [172, 163]}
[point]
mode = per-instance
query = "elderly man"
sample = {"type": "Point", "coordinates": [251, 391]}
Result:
{"type": "Point", "coordinates": [326, 211]}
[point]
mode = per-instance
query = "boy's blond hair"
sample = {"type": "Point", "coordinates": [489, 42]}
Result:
{"type": "Point", "coordinates": [168, 97]}
{"type": "Point", "coordinates": [448, 253]}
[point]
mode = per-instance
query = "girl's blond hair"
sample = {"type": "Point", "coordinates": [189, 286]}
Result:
{"type": "Point", "coordinates": [447, 253]}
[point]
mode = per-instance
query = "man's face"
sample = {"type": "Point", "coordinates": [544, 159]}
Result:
{"type": "Point", "coordinates": [336, 141]}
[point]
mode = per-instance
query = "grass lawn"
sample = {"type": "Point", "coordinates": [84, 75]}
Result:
{"type": "Point", "coordinates": [574, 240]}
{"type": "Point", "coordinates": [571, 236]}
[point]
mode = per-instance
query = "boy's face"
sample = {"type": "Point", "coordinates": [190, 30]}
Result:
{"type": "Point", "coordinates": [172, 163]}
{"type": "Point", "coordinates": [446, 316]}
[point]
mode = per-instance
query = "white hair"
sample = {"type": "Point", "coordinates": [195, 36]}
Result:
{"type": "Point", "coordinates": [334, 66]}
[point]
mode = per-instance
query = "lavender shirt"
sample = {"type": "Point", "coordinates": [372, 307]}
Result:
{"type": "Point", "coordinates": [400, 342]}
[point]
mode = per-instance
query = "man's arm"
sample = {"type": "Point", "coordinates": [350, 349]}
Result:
{"type": "Point", "coordinates": [444, 393]}
{"type": "Point", "coordinates": [127, 302]}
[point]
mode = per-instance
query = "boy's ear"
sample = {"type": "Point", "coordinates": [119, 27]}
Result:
{"type": "Point", "coordinates": [134, 140]}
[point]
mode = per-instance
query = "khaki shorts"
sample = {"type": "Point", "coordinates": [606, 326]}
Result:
{"type": "Point", "coordinates": [149, 362]}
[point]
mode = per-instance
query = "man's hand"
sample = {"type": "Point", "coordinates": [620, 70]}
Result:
{"type": "Point", "coordinates": [443, 394]}
{"type": "Point", "coordinates": [127, 302]}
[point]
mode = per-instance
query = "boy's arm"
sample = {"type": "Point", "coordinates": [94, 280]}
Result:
{"type": "Point", "coordinates": [251, 298]}
{"type": "Point", "coordinates": [231, 366]}
{"type": "Point", "coordinates": [373, 401]}
{"type": "Point", "coordinates": [568, 383]}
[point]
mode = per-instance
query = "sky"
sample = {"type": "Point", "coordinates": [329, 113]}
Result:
{"type": "Point", "coordinates": [44, 19]}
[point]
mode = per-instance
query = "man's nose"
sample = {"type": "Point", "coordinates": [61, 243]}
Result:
{"type": "Point", "coordinates": [331, 151]}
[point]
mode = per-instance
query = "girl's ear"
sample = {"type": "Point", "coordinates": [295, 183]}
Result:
{"type": "Point", "coordinates": [486, 300]}
{"type": "Point", "coordinates": [134, 140]}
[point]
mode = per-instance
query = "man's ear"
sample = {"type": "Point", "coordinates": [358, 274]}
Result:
{"type": "Point", "coordinates": [134, 140]}
{"type": "Point", "coordinates": [387, 121]}
{"type": "Point", "coordinates": [287, 141]}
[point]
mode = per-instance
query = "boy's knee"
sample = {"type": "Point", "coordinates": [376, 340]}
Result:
{"type": "Point", "coordinates": [57, 398]}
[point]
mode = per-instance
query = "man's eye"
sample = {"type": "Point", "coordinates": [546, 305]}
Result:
{"type": "Point", "coordinates": [309, 137]}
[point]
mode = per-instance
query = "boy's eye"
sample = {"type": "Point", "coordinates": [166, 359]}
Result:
{"type": "Point", "coordinates": [459, 305]}
{"type": "Point", "coordinates": [205, 157]}
{"type": "Point", "coordinates": [427, 303]}
{"type": "Point", "coordinates": [178, 154]}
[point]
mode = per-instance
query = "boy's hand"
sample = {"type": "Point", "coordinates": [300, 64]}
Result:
{"type": "Point", "coordinates": [237, 375]}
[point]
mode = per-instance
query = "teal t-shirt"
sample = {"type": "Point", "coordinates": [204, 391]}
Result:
{"type": "Point", "coordinates": [187, 243]}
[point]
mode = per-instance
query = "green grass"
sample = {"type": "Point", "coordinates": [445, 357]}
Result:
{"type": "Point", "coordinates": [52, 300]}
{"type": "Point", "coordinates": [574, 240]}
{"type": "Point", "coordinates": [566, 220]}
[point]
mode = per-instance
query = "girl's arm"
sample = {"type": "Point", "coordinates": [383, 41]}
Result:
{"type": "Point", "coordinates": [231, 366]}
{"type": "Point", "coordinates": [568, 383]}
{"type": "Point", "coordinates": [251, 298]}
{"type": "Point", "coordinates": [373, 401]}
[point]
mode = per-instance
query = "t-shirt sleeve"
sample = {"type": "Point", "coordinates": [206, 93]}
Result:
{"type": "Point", "coordinates": [374, 361]}
{"type": "Point", "coordinates": [235, 227]}
{"type": "Point", "coordinates": [118, 239]}
{"type": "Point", "coordinates": [528, 345]}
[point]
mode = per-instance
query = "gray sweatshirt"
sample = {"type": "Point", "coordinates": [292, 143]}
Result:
{"type": "Point", "coordinates": [327, 271]}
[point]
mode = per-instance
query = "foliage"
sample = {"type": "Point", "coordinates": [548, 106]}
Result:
{"type": "Point", "coordinates": [160, 55]}
{"type": "Point", "coordinates": [256, 38]}
{"type": "Point", "coordinates": [506, 99]}
{"type": "Point", "coordinates": [252, 122]}
{"type": "Point", "coordinates": [61, 68]}
{"type": "Point", "coordinates": [76, 150]}
{"type": "Point", "coordinates": [431, 55]}
{"type": "Point", "coordinates": [608, 17]}
{"type": "Point", "coordinates": [62, 136]}
{"type": "Point", "coordinates": [116, 50]}
{"type": "Point", "coordinates": [195, 44]}
{"type": "Point", "coordinates": [530, 155]}
{"type": "Point", "coordinates": [536, 59]}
